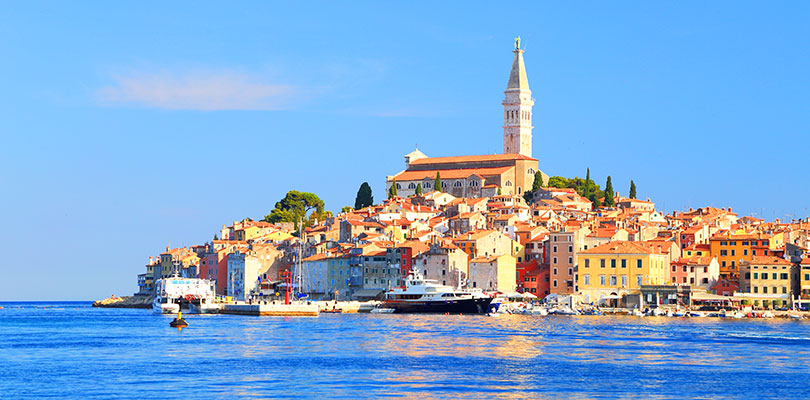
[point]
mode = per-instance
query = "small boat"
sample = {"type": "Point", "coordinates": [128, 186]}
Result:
{"type": "Point", "coordinates": [637, 312]}
{"type": "Point", "coordinates": [767, 314]}
{"type": "Point", "coordinates": [332, 310]}
{"type": "Point", "coordinates": [795, 316]}
{"type": "Point", "coordinates": [382, 310]}
{"type": "Point", "coordinates": [738, 315]}
{"type": "Point", "coordinates": [173, 294]}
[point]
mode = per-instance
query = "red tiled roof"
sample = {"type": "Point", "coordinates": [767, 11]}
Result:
{"type": "Point", "coordinates": [461, 159]}
{"type": "Point", "coordinates": [450, 173]}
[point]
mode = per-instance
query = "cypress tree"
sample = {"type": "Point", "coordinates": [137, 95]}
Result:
{"type": "Point", "coordinates": [609, 201]}
{"type": "Point", "coordinates": [437, 183]}
{"type": "Point", "coordinates": [418, 189]}
{"type": "Point", "coordinates": [587, 191]}
{"type": "Point", "coordinates": [392, 191]}
{"type": "Point", "coordinates": [538, 182]}
{"type": "Point", "coordinates": [632, 189]}
{"type": "Point", "coordinates": [364, 197]}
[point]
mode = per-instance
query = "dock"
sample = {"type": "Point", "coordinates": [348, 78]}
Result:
{"type": "Point", "coordinates": [278, 310]}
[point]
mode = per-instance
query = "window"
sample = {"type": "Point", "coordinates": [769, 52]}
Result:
{"type": "Point", "coordinates": [555, 271]}
{"type": "Point", "coordinates": [426, 184]}
{"type": "Point", "coordinates": [508, 183]}
{"type": "Point", "coordinates": [554, 283]}
{"type": "Point", "coordinates": [613, 263]}
{"type": "Point", "coordinates": [474, 183]}
{"type": "Point", "coordinates": [638, 280]}
{"type": "Point", "coordinates": [587, 280]}
{"type": "Point", "coordinates": [624, 263]}
{"type": "Point", "coordinates": [554, 249]}
{"type": "Point", "coordinates": [555, 260]}
{"type": "Point", "coordinates": [602, 263]}
{"type": "Point", "coordinates": [613, 280]}
{"type": "Point", "coordinates": [674, 268]}
{"type": "Point", "coordinates": [602, 280]}
{"type": "Point", "coordinates": [733, 253]}
{"type": "Point", "coordinates": [773, 275]}
{"type": "Point", "coordinates": [784, 289]}
{"type": "Point", "coordinates": [764, 289]}
{"type": "Point", "coordinates": [764, 275]}
{"type": "Point", "coordinates": [399, 186]}
{"type": "Point", "coordinates": [756, 275]}
{"type": "Point", "coordinates": [570, 249]}
{"type": "Point", "coordinates": [638, 263]}
{"type": "Point", "coordinates": [624, 281]}
{"type": "Point", "coordinates": [756, 289]}
{"type": "Point", "coordinates": [783, 276]}
{"type": "Point", "coordinates": [723, 252]}
{"type": "Point", "coordinates": [457, 184]}
{"type": "Point", "coordinates": [570, 260]}
{"type": "Point", "coordinates": [412, 186]}
{"type": "Point", "coordinates": [588, 265]}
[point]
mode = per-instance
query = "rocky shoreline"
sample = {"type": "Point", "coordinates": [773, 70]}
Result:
{"type": "Point", "coordinates": [125, 302]}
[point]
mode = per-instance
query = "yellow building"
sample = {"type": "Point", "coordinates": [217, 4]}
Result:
{"type": "Point", "coordinates": [620, 267]}
{"type": "Point", "coordinates": [767, 279]}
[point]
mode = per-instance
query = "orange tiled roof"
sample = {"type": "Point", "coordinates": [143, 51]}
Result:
{"type": "Point", "coordinates": [769, 260]}
{"type": "Point", "coordinates": [450, 173]}
{"type": "Point", "coordinates": [461, 159]}
{"type": "Point", "coordinates": [619, 247]}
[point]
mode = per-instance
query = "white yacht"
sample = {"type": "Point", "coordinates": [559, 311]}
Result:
{"type": "Point", "coordinates": [428, 296]}
{"type": "Point", "coordinates": [172, 294]}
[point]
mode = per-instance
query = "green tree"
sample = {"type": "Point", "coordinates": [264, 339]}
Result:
{"type": "Point", "coordinates": [609, 201]}
{"type": "Point", "coordinates": [364, 197]}
{"type": "Point", "coordinates": [216, 237]}
{"type": "Point", "coordinates": [346, 209]}
{"type": "Point", "coordinates": [294, 206]}
{"type": "Point", "coordinates": [538, 181]}
{"type": "Point", "coordinates": [418, 189]}
{"type": "Point", "coordinates": [595, 200]}
{"type": "Point", "coordinates": [437, 183]}
{"type": "Point", "coordinates": [392, 191]}
{"type": "Point", "coordinates": [558, 182]}
{"type": "Point", "coordinates": [632, 189]}
{"type": "Point", "coordinates": [586, 191]}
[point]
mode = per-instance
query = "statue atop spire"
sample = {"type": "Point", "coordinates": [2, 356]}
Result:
{"type": "Point", "coordinates": [517, 43]}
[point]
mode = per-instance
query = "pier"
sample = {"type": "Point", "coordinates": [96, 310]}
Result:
{"type": "Point", "coordinates": [279, 310]}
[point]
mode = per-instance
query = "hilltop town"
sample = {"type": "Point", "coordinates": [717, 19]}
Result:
{"type": "Point", "coordinates": [499, 224]}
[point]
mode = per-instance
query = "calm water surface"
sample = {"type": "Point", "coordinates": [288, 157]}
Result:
{"type": "Point", "coordinates": [74, 350]}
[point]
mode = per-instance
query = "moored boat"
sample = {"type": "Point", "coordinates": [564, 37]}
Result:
{"type": "Point", "coordinates": [427, 296]}
{"type": "Point", "coordinates": [175, 294]}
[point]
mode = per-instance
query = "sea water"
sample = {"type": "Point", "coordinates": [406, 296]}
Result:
{"type": "Point", "coordinates": [71, 350]}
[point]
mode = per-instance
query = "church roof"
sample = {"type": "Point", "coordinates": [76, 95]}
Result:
{"type": "Point", "coordinates": [517, 76]}
{"type": "Point", "coordinates": [449, 173]}
{"type": "Point", "coordinates": [462, 159]}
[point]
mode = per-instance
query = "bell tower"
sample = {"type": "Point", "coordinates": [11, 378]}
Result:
{"type": "Point", "coordinates": [517, 108]}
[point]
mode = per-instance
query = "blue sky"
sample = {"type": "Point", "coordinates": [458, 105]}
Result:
{"type": "Point", "coordinates": [129, 126]}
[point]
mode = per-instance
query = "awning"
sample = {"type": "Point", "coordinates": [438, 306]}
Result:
{"type": "Point", "coordinates": [612, 297]}
{"type": "Point", "coordinates": [699, 296]}
{"type": "Point", "coordinates": [369, 293]}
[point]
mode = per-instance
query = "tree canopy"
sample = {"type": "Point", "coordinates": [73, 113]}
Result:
{"type": "Point", "coordinates": [294, 206]}
{"type": "Point", "coordinates": [437, 183]}
{"type": "Point", "coordinates": [632, 193]}
{"type": "Point", "coordinates": [364, 197]}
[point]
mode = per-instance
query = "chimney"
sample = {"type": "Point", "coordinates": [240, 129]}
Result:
{"type": "Point", "coordinates": [150, 260]}
{"type": "Point", "coordinates": [729, 209]}
{"type": "Point", "coordinates": [167, 248]}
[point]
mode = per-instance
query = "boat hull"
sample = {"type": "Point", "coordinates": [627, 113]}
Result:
{"type": "Point", "coordinates": [461, 306]}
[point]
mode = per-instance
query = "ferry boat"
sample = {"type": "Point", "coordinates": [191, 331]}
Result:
{"type": "Point", "coordinates": [173, 294]}
{"type": "Point", "coordinates": [428, 296]}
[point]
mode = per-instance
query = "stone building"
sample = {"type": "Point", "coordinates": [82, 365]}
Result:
{"type": "Point", "coordinates": [479, 176]}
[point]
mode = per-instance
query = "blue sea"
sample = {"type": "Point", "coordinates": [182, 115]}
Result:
{"type": "Point", "coordinates": [72, 350]}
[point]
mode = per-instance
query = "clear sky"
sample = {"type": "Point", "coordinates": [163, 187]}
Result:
{"type": "Point", "coordinates": [130, 126]}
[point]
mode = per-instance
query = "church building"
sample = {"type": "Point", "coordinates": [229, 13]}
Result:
{"type": "Point", "coordinates": [481, 176]}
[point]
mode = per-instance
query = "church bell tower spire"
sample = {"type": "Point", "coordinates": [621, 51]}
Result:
{"type": "Point", "coordinates": [517, 108]}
